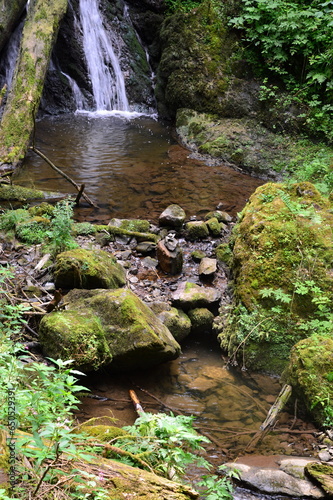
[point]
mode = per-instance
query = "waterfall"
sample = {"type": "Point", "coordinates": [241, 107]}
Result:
{"type": "Point", "coordinates": [10, 55]}
{"type": "Point", "coordinates": [103, 65]}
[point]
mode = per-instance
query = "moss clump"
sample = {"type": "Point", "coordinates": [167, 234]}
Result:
{"type": "Point", "coordinates": [76, 335]}
{"type": "Point", "coordinates": [33, 231]}
{"type": "Point", "coordinates": [104, 433]}
{"type": "Point", "coordinates": [80, 268]}
{"type": "Point", "coordinates": [323, 474]}
{"type": "Point", "coordinates": [42, 210]}
{"type": "Point", "coordinates": [282, 250]}
{"type": "Point", "coordinates": [310, 372]}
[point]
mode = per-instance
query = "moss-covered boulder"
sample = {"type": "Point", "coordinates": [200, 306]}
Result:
{"type": "Point", "coordinates": [127, 330]}
{"type": "Point", "coordinates": [76, 335]}
{"type": "Point", "coordinates": [310, 372]}
{"type": "Point", "coordinates": [282, 254]}
{"type": "Point", "coordinates": [81, 268]}
{"type": "Point", "coordinates": [137, 225]}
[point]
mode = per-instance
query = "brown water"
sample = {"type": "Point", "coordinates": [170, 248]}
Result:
{"type": "Point", "coordinates": [229, 405]}
{"type": "Point", "coordinates": [131, 168]}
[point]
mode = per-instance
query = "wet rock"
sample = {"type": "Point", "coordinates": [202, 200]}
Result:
{"type": "Point", "coordinates": [201, 320]}
{"type": "Point", "coordinates": [189, 296]}
{"type": "Point", "coordinates": [177, 322]}
{"type": "Point", "coordinates": [207, 267]}
{"type": "Point", "coordinates": [107, 328]}
{"type": "Point", "coordinates": [196, 230]}
{"type": "Point", "coordinates": [170, 261]}
{"type": "Point", "coordinates": [172, 216]}
{"type": "Point", "coordinates": [275, 480]}
{"type": "Point", "coordinates": [149, 262]}
{"type": "Point", "coordinates": [80, 268]}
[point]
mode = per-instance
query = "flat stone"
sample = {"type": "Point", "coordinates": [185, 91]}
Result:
{"type": "Point", "coordinates": [275, 480]}
{"type": "Point", "coordinates": [190, 296]}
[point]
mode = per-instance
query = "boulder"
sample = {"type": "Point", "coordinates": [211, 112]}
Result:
{"type": "Point", "coordinates": [136, 225]}
{"type": "Point", "coordinates": [128, 331]}
{"type": "Point", "coordinates": [190, 296]}
{"type": "Point", "coordinates": [77, 335]}
{"type": "Point", "coordinates": [214, 226]}
{"type": "Point", "coordinates": [80, 268]}
{"type": "Point", "coordinates": [172, 216]}
{"type": "Point", "coordinates": [279, 253]}
{"type": "Point", "coordinates": [310, 373]}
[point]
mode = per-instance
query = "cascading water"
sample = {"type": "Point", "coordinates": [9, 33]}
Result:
{"type": "Point", "coordinates": [9, 60]}
{"type": "Point", "coordinates": [103, 65]}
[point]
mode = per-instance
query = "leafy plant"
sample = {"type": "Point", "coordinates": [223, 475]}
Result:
{"type": "Point", "coordinates": [292, 40]}
{"type": "Point", "coordinates": [60, 233]}
{"type": "Point", "coordinates": [219, 488]}
{"type": "Point", "coordinates": [181, 5]}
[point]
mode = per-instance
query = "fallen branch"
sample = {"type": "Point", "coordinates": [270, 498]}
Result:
{"type": "Point", "coordinates": [57, 169]}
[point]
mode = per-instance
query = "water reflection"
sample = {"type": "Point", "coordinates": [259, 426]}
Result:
{"type": "Point", "coordinates": [131, 168]}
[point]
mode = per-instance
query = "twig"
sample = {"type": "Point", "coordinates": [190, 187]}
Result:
{"type": "Point", "coordinates": [57, 169]}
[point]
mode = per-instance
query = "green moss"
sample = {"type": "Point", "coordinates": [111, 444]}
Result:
{"type": "Point", "coordinates": [104, 433]}
{"type": "Point", "coordinates": [114, 230]}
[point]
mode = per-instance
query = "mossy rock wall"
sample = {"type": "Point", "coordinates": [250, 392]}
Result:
{"type": "Point", "coordinates": [282, 254]}
{"type": "Point", "coordinates": [195, 65]}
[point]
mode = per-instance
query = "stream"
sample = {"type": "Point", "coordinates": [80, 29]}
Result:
{"type": "Point", "coordinates": [134, 168]}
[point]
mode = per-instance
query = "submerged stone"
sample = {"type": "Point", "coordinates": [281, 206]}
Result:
{"type": "Point", "coordinates": [89, 269]}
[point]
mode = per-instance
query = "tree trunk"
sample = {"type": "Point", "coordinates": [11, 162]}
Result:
{"type": "Point", "coordinates": [10, 12]}
{"type": "Point", "coordinates": [38, 37]}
